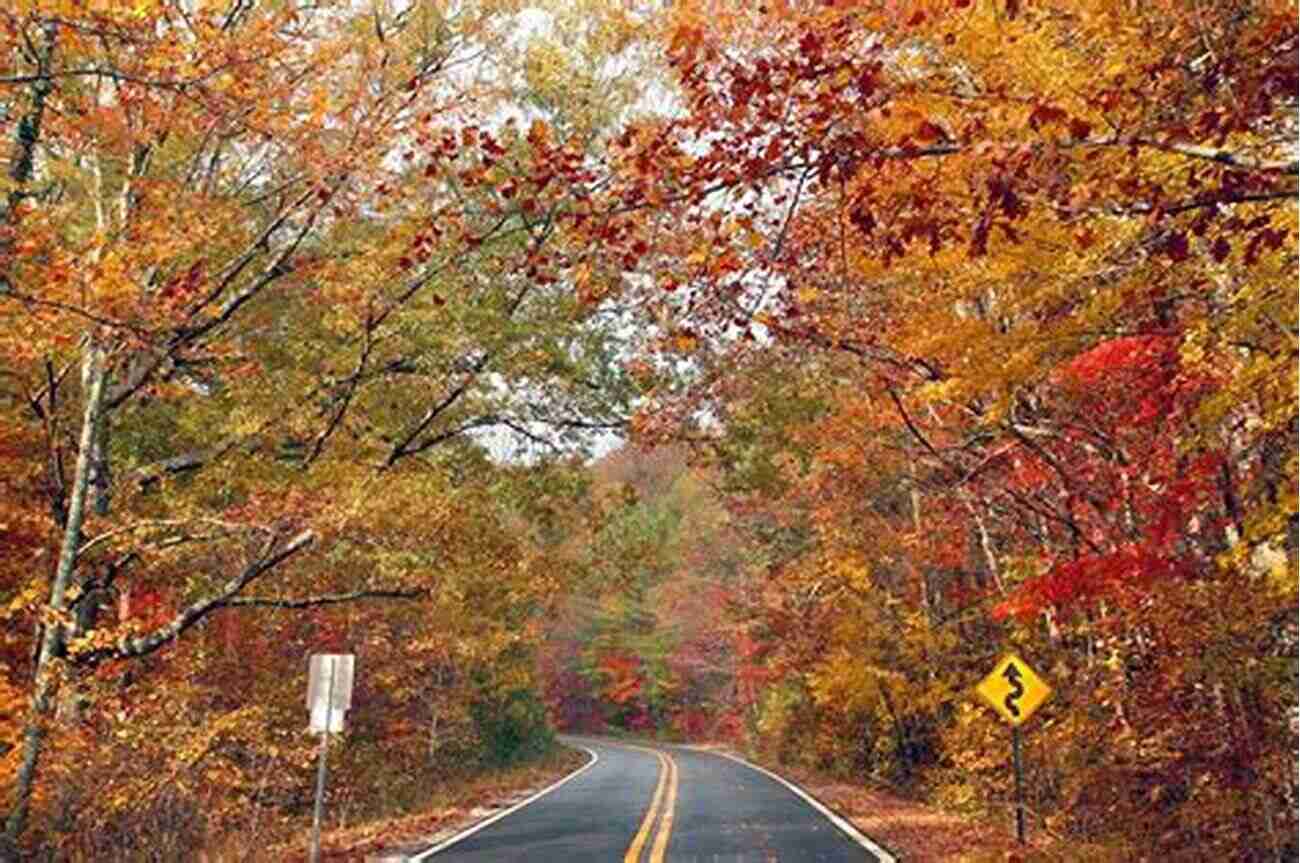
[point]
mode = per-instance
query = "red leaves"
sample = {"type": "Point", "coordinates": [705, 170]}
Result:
{"type": "Point", "coordinates": [928, 131]}
{"type": "Point", "coordinates": [1175, 246]}
{"type": "Point", "coordinates": [862, 219]}
{"type": "Point", "coordinates": [1050, 115]}
{"type": "Point", "coordinates": [1134, 379]}
{"type": "Point", "coordinates": [1267, 238]}
{"type": "Point", "coordinates": [1132, 356]}
{"type": "Point", "coordinates": [1093, 577]}
{"type": "Point", "coordinates": [1044, 114]}
{"type": "Point", "coordinates": [810, 45]}
{"type": "Point", "coordinates": [866, 80]}
{"type": "Point", "coordinates": [181, 287]}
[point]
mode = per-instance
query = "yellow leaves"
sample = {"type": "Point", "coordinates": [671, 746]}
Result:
{"type": "Point", "coordinates": [245, 422]}
{"type": "Point", "coordinates": [807, 294]}
{"type": "Point", "coordinates": [853, 570]}
{"type": "Point", "coordinates": [539, 133]}
{"type": "Point", "coordinates": [938, 391]}
{"type": "Point", "coordinates": [684, 341]}
{"type": "Point", "coordinates": [100, 637]}
{"type": "Point", "coordinates": [73, 8]}
{"type": "Point", "coordinates": [546, 67]}
{"type": "Point", "coordinates": [583, 281]}
{"type": "Point", "coordinates": [846, 681]}
{"type": "Point", "coordinates": [699, 256]}
{"type": "Point", "coordinates": [28, 597]}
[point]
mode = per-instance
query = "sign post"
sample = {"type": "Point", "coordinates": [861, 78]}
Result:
{"type": "Point", "coordinates": [329, 695]}
{"type": "Point", "coordinates": [1015, 692]}
{"type": "Point", "coordinates": [1020, 784]}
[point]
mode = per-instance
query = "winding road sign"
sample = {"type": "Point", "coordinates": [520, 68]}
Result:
{"type": "Point", "coordinates": [1014, 690]}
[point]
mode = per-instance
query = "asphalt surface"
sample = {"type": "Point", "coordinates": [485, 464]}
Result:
{"type": "Point", "coordinates": [654, 803]}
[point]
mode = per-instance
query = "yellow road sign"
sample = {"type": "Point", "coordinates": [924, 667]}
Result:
{"type": "Point", "coordinates": [1014, 690]}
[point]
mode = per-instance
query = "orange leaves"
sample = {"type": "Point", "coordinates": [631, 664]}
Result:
{"type": "Point", "coordinates": [1006, 228]}
{"type": "Point", "coordinates": [623, 678]}
{"type": "Point", "coordinates": [684, 341]}
{"type": "Point", "coordinates": [539, 134]}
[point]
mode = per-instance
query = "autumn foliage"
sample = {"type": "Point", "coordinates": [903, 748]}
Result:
{"type": "Point", "coordinates": [929, 329]}
{"type": "Point", "coordinates": [989, 317]}
{"type": "Point", "coordinates": [287, 368]}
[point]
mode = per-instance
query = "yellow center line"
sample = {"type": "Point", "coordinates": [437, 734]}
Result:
{"type": "Point", "coordinates": [633, 854]}
{"type": "Point", "coordinates": [666, 826]}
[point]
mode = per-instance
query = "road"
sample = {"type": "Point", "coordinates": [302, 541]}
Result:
{"type": "Point", "coordinates": [650, 804]}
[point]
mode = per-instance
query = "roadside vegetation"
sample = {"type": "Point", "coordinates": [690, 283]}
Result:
{"type": "Point", "coordinates": [989, 317]}
{"type": "Point", "coordinates": [752, 373]}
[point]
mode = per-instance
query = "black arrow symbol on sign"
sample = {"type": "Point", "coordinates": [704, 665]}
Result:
{"type": "Point", "coordinates": [1012, 674]}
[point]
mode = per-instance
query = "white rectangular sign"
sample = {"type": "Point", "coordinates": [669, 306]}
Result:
{"type": "Point", "coordinates": [329, 679]}
{"type": "Point", "coordinates": [318, 713]}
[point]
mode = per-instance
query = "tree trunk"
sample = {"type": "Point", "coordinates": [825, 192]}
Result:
{"type": "Point", "coordinates": [45, 680]}
{"type": "Point", "coordinates": [922, 575]}
{"type": "Point", "coordinates": [986, 545]}
{"type": "Point", "coordinates": [900, 732]}
{"type": "Point", "coordinates": [22, 160]}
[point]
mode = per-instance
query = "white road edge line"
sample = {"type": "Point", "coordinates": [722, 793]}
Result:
{"type": "Point", "coordinates": [488, 822]}
{"type": "Point", "coordinates": [847, 828]}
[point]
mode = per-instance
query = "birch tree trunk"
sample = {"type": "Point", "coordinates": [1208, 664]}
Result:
{"type": "Point", "coordinates": [46, 678]}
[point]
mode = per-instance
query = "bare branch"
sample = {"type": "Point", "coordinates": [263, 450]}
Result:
{"type": "Point", "coordinates": [403, 447]}
{"type": "Point", "coordinates": [314, 601]}
{"type": "Point", "coordinates": [350, 390]}
{"type": "Point", "coordinates": [155, 524]}
{"type": "Point", "coordinates": [155, 473]}
{"type": "Point", "coordinates": [192, 614]}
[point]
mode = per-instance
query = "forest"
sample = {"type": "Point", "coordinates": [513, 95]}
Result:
{"type": "Point", "coordinates": [716, 371]}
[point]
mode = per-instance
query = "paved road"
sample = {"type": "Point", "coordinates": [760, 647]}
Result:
{"type": "Point", "coordinates": [651, 804]}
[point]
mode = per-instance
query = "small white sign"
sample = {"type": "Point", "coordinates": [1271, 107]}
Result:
{"type": "Point", "coordinates": [318, 714]}
{"type": "Point", "coordinates": [329, 690]}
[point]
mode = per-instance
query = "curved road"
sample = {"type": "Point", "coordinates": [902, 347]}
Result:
{"type": "Point", "coordinates": [656, 803]}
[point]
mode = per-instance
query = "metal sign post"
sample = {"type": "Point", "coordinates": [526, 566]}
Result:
{"type": "Point", "coordinates": [1015, 692]}
{"type": "Point", "coordinates": [330, 676]}
{"type": "Point", "coordinates": [1020, 784]}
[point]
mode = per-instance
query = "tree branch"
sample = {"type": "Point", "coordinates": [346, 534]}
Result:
{"type": "Point", "coordinates": [403, 447]}
{"type": "Point", "coordinates": [1289, 167]}
{"type": "Point", "coordinates": [314, 601]}
{"type": "Point", "coordinates": [192, 614]}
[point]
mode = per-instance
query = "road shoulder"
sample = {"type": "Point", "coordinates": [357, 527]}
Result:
{"type": "Point", "coordinates": [846, 825]}
{"type": "Point", "coordinates": [911, 830]}
{"type": "Point", "coordinates": [454, 812]}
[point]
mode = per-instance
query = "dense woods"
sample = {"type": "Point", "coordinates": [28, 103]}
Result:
{"type": "Point", "coordinates": [730, 371]}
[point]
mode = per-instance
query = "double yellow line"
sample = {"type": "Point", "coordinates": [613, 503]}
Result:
{"type": "Point", "coordinates": [667, 781]}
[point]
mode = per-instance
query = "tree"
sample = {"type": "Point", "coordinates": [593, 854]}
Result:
{"type": "Point", "coordinates": [991, 243]}
{"type": "Point", "coordinates": [295, 253]}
